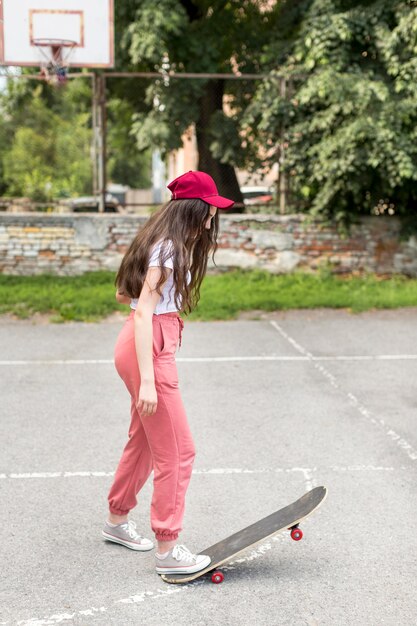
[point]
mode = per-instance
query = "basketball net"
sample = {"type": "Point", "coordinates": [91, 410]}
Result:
{"type": "Point", "coordinates": [54, 57]}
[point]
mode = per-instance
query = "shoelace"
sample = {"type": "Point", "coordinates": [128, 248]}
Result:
{"type": "Point", "coordinates": [129, 527]}
{"type": "Point", "coordinates": [181, 553]}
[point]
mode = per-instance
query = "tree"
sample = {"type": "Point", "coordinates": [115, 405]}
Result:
{"type": "Point", "coordinates": [220, 36]}
{"type": "Point", "coordinates": [349, 121]}
{"type": "Point", "coordinates": [48, 154]}
{"type": "Point", "coordinates": [126, 164]}
{"type": "Point", "coordinates": [45, 148]}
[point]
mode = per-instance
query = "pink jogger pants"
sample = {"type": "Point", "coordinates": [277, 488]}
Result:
{"type": "Point", "coordinates": [161, 442]}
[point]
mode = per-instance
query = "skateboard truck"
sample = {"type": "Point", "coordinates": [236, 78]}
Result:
{"type": "Point", "coordinates": [296, 532]}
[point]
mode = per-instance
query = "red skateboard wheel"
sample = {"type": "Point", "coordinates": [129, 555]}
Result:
{"type": "Point", "coordinates": [296, 534]}
{"type": "Point", "coordinates": [217, 578]}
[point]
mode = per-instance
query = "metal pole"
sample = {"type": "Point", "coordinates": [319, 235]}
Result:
{"type": "Point", "coordinates": [282, 183]}
{"type": "Point", "coordinates": [203, 75]}
{"type": "Point", "coordinates": [94, 142]}
{"type": "Point", "coordinates": [102, 182]}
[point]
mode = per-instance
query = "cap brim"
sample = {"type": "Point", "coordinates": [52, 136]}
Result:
{"type": "Point", "coordinates": [219, 201]}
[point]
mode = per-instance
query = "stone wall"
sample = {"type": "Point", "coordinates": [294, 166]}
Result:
{"type": "Point", "coordinates": [75, 243]}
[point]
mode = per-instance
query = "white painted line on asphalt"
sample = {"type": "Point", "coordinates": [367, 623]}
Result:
{"type": "Point", "coordinates": [214, 470]}
{"type": "Point", "coordinates": [59, 618]}
{"type": "Point", "coordinates": [367, 357]}
{"type": "Point", "coordinates": [225, 359]}
{"type": "Point", "coordinates": [60, 362]}
{"type": "Point", "coordinates": [243, 470]}
{"type": "Point", "coordinates": [401, 442]}
{"type": "Point", "coordinates": [55, 474]}
{"type": "Point", "coordinates": [222, 471]}
{"type": "Point", "coordinates": [309, 481]}
{"type": "Point", "coordinates": [367, 468]}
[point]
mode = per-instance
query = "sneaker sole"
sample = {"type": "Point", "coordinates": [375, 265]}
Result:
{"type": "Point", "coordinates": [184, 570]}
{"type": "Point", "coordinates": [132, 546]}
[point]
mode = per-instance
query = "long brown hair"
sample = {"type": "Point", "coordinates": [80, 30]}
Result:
{"type": "Point", "coordinates": [183, 223]}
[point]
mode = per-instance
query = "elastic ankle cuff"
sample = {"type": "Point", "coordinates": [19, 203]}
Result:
{"type": "Point", "coordinates": [114, 511]}
{"type": "Point", "coordinates": [163, 536]}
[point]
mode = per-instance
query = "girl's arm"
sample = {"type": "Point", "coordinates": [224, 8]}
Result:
{"type": "Point", "coordinates": [147, 302]}
{"type": "Point", "coordinates": [122, 298]}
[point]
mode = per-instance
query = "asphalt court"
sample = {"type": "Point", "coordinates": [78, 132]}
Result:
{"type": "Point", "coordinates": [276, 406]}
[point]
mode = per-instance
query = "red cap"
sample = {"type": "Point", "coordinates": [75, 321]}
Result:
{"type": "Point", "coordinates": [195, 184]}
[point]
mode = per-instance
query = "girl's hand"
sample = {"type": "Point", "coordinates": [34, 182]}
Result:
{"type": "Point", "coordinates": [148, 398]}
{"type": "Point", "coordinates": [120, 297]}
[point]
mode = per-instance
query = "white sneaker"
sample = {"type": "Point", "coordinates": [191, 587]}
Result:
{"type": "Point", "coordinates": [180, 560]}
{"type": "Point", "coordinates": [126, 535]}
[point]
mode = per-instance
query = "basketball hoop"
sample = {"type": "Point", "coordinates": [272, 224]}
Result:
{"type": "Point", "coordinates": [54, 58]}
{"type": "Point", "coordinates": [38, 33]}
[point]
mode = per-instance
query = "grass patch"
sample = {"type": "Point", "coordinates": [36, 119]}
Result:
{"type": "Point", "coordinates": [90, 297]}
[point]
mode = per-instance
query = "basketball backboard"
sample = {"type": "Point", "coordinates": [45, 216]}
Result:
{"type": "Point", "coordinates": [86, 26]}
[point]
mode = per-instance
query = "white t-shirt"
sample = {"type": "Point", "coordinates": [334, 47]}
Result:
{"type": "Point", "coordinates": [166, 303]}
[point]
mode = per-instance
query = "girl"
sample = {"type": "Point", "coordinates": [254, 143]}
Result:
{"type": "Point", "coordinates": [160, 275]}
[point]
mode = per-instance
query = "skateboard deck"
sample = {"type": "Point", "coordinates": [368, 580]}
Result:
{"type": "Point", "coordinates": [287, 518]}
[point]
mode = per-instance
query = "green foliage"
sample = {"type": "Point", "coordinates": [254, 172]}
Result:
{"type": "Point", "coordinates": [46, 136]}
{"type": "Point", "coordinates": [46, 158]}
{"type": "Point", "coordinates": [348, 122]}
{"type": "Point", "coordinates": [215, 37]}
{"type": "Point", "coordinates": [125, 163]}
{"type": "Point", "coordinates": [154, 23]}
{"type": "Point", "coordinates": [226, 144]}
{"type": "Point", "coordinates": [47, 154]}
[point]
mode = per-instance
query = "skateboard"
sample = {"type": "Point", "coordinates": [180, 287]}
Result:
{"type": "Point", "coordinates": [287, 518]}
